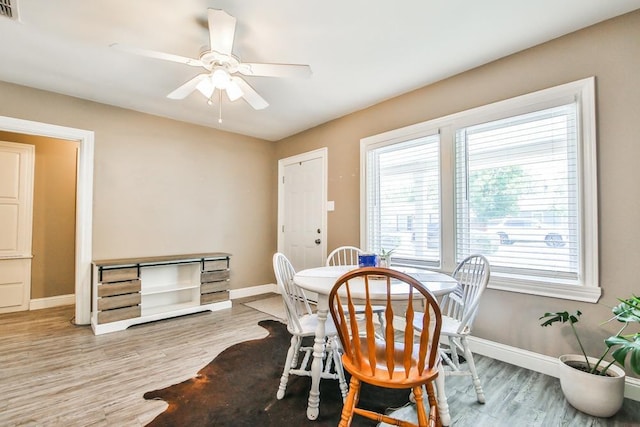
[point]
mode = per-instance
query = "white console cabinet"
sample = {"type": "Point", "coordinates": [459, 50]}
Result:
{"type": "Point", "coordinates": [137, 290]}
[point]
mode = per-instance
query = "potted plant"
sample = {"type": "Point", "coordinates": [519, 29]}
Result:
{"type": "Point", "coordinates": [593, 385]}
{"type": "Point", "coordinates": [385, 258]}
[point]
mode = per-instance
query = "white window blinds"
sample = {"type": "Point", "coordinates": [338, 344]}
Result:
{"type": "Point", "coordinates": [517, 193]}
{"type": "Point", "coordinates": [515, 180]}
{"type": "Point", "coordinates": [403, 199]}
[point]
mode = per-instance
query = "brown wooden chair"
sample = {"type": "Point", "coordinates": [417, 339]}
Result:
{"type": "Point", "coordinates": [402, 358]}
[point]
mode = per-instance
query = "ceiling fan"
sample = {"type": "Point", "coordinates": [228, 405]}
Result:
{"type": "Point", "coordinates": [222, 67]}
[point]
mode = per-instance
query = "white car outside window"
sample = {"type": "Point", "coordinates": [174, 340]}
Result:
{"type": "Point", "coordinates": [512, 230]}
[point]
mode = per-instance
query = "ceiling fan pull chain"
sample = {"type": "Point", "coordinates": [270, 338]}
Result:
{"type": "Point", "coordinates": [219, 106]}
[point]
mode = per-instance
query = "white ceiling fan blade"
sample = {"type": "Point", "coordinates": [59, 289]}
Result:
{"type": "Point", "coordinates": [158, 55]}
{"type": "Point", "coordinates": [274, 70]}
{"type": "Point", "coordinates": [249, 94]}
{"type": "Point", "coordinates": [188, 87]}
{"type": "Point", "coordinates": [233, 91]}
{"type": "Point", "coordinates": [222, 29]}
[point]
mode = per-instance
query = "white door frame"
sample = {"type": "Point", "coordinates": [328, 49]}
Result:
{"type": "Point", "coordinates": [321, 153]}
{"type": "Point", "coordinates": [84, 202]}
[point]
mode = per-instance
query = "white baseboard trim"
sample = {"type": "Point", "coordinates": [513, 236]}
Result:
{"type": "Point", "coordinates": [49, 302]}
{"type": "Point", "coordinates": [536, 362]}
{"type": "Point", "coordinates": [253, 291]}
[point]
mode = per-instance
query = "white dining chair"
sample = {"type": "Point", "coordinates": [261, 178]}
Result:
{"type": "Point", "coordinates": [459, 309]}
{"type": "Point", "coordinates": [344, 255]}
{"type": "Point", "coordinates": [302, 323]}
{"type": "Point", "coordinates": [348, 255]}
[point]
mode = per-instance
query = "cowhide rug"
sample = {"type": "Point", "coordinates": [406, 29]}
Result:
{"type": "Point", "coordinates": [238, 388]}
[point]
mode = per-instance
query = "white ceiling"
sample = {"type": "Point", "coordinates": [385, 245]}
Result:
{"type": "Point", "coordinates": [361, 52]}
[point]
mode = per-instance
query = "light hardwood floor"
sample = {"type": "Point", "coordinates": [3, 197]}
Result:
{"type": "Point", "coordinates": [53, 373]}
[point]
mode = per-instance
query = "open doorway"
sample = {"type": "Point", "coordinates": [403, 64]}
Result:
{"type": "Point", "coordinates": [53, 230]}
{"type": "Point", "coordinates": [84, 202]}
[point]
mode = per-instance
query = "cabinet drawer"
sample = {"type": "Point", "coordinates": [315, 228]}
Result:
{"type": "Point", "coordinates": [119, 274]}
{"type": "Point", "coordinates": [118, 314]}
{"type": "Point", "coordinates": [214, 276]}
{"type": "Point", "coordinates": [119, 288]}
{"type": "Point", "coordinates": [214, 297]}
{"type": "Point", "coordinates": [118, 301]}
{"type": "Point", "coordinates": [207, 288]}
{"type": "Point", "coordinates": [216, 264]}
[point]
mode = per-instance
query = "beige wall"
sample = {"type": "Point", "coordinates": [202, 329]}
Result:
{"type": "Point", "coordinates": [165, 187]}
{"type": "Point", "coordinates": [609, 51]}
{"type": "Point", "coordinates": [54, 214]}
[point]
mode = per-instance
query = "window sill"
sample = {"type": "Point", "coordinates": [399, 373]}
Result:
{"type": "Point", "coordinates": [553, 290]}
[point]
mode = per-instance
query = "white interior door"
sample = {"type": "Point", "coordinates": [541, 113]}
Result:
{"type": "Point", "coordinates": [302, 209]}
{"type": "Point", "coordinates": [16, 218]}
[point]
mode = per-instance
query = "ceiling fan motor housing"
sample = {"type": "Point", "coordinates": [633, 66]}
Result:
{"type": "Point", "coordinates": [211, 59]}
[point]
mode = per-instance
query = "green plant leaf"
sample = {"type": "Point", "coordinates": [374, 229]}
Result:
{"type": "Point", "coordinates": [560, 316]}
{"type": "Point", "coordinates": [628, 310]}
{"type": "Point", "coordinates": [385, 254]}
{"type": "Point", "coordinates": [564, 316]}
{"type": "Point", "coordinates": [626, 346]}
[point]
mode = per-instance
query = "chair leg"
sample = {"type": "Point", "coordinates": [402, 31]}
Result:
{"type": "Point", "coordinates": [434, 411]}
{"type": "Point", "coordinates": [472, 367]}
{"type": "Point", "coordinates": [352, 400]}
{"type": "Point", "coordinates": [422, 414]}
{"type": "Point", "coordinates": [454, 353]}
{"type": "Point", "coordinates": [282, 388]}
{"type": "Point", "coordinates": [337, 361]}
{"type": "Point", "coordinates": [296, 352]}
{"type": "Point", "coordinates": [446, 360]}
{"type": "Point", "coordinates": [441, 395]}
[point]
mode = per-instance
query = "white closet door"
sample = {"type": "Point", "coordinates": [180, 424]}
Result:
{"type": "Point", "coordinates": [16, 218]}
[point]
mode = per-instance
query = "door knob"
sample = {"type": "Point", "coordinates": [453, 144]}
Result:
{"type": "Point", "coordinates": [317, 241]}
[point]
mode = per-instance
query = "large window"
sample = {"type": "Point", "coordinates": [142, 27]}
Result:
{"type": "Point", "coordinates": [514, 181]}
{"type": "Point", "coordinates": [403, 199]}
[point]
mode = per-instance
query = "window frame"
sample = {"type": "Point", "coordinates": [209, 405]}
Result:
{"type": "Point", "coordinates": [425, 133]}
{"type": "Point", "coordinates": [581, 91]}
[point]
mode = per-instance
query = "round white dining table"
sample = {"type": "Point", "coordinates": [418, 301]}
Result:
{"type": "Point", "coordinates": [321, 279]}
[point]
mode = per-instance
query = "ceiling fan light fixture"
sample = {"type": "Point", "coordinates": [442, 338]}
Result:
{"type": "Point", "coordinates": [206, 87]}
{"type": "Point", "coordinates": [220, 79]}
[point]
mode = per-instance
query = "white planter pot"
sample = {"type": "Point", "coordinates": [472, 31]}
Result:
{"type": "Point", "coordinates": [597, 395]}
